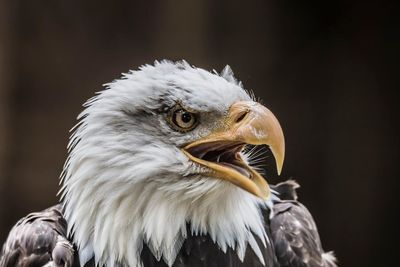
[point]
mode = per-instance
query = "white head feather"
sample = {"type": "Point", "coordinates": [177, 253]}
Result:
{"type": "Point", "coordinates": [126, 182]}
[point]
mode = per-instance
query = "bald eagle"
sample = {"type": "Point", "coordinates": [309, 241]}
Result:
{"type": "Point", "coordinates": [159, 174]}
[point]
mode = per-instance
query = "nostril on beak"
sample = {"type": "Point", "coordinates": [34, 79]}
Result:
{"type": "Point", "coordinates": [241, 116]}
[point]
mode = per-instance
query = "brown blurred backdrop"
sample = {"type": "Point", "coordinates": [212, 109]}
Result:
{"type": "Point", "coordinates": [326, 69]}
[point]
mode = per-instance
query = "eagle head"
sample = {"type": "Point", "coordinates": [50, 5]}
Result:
{"type": "Point", "coordinates": [158, 154]}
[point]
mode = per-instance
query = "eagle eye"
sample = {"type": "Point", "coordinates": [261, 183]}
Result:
{"type": "Point", "coordinates": [182, 120]}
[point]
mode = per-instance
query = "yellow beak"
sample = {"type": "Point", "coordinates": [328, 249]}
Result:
{"type": "Point", "coordinates": [246, 123]}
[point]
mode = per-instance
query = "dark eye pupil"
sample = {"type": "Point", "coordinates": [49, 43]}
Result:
{"type": "Point", "coordinates": [186, 117]}
{"type": "Point", "coordinates": [182, 120]}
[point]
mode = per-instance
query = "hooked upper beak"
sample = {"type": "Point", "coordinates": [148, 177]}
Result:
{"type": "Point", "coordinates": [220, 152]}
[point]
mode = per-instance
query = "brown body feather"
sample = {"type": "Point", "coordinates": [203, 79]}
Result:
{"type": "Point", "coordinates": [40, 240]}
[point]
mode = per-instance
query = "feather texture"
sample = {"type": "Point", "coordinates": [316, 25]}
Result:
{"type": "Point", "coordinates": [294, 233]}
{"type": "Point", "coordinates": [130, 197]}
{"type": "Point", "coordinates": [126, 179]}
{"type": "Point", "coordinates": [38, 239]}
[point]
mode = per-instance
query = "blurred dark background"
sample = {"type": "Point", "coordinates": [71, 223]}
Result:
{"type": "Point", "coordinates": [327, 69]}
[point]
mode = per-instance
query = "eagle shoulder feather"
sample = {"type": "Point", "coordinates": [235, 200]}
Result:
{"type": "Point", "coordinates": [294, 232]}
{"type": "Point", "coordinates": [38, 239]}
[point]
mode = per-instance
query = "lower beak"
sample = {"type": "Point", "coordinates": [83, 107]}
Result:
{"type": "Point", "coordinates": [246, 123]}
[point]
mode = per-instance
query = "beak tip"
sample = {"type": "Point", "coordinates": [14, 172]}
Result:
{"type": "Point", "coordinates": [279, 167]}
{"type": "Point", "coordinates": [279, 155]}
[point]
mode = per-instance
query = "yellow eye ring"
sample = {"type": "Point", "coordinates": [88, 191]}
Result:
{"type": "Point", "coordinates": [182, 120]}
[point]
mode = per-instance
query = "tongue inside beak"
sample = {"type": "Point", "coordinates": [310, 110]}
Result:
{"type": "Point", "coordinates": [220, 152]}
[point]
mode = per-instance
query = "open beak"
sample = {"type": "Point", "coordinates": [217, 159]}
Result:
{"type": "Point", "coordinates": [220, 152]}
